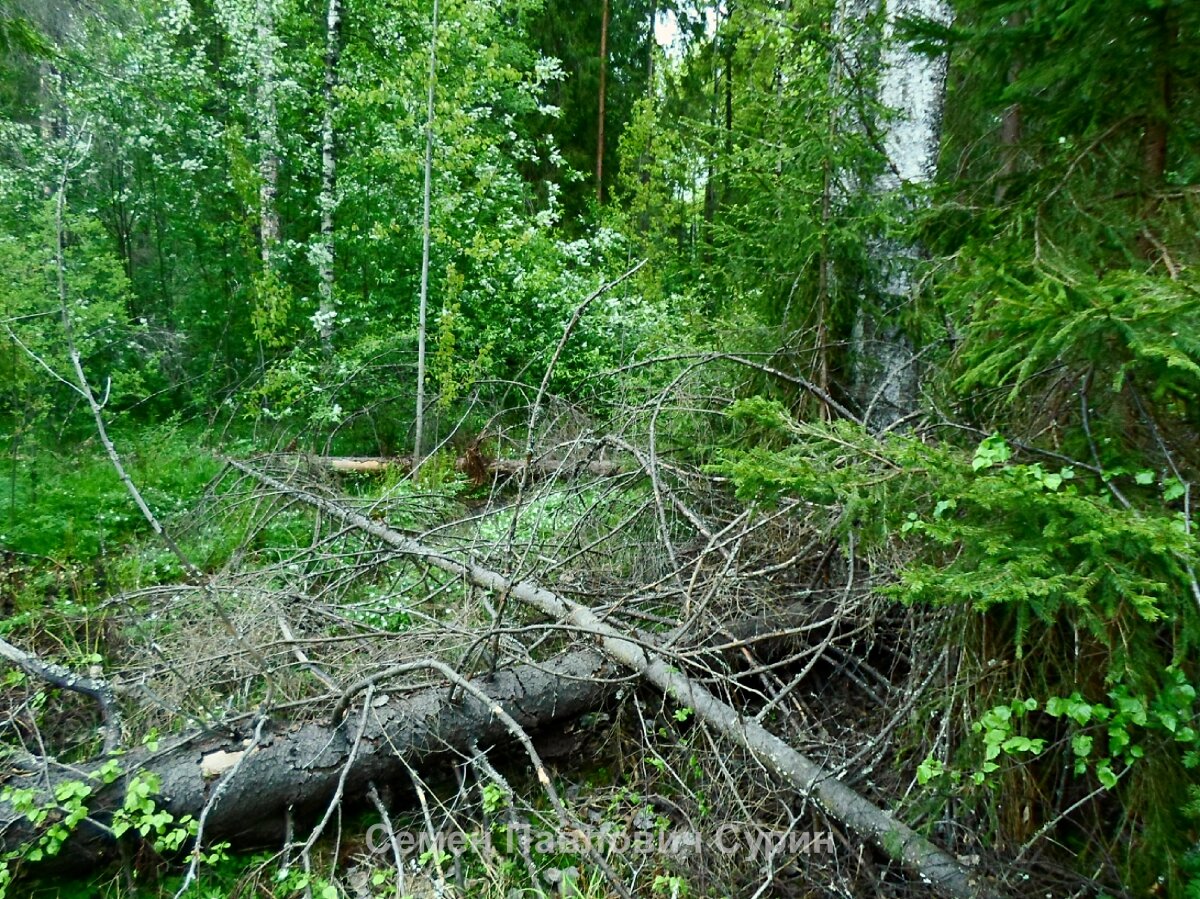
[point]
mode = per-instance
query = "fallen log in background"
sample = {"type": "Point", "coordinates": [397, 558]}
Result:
{"type": "Point", "coordinates": [930, 864]}
{"type": "Point", "coordinates": [295, 767]}
{"type": "Point", "coordinates": [473, 465]}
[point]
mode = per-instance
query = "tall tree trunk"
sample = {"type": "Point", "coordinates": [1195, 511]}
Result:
{"type": "Point", "coordinates": [710, 181]}
{"type": "Point", "coordinates": [1011, 124]}
{"type": "Point", "coordinates": [651, 47]}
{"type": "Point", "coordinates": [47, 102]}
{"type": "Point", "coordinates": [268, 135]}
{"type": "Point", "coordinates": [49, 113]}
{"type": "Point", "coordinates": [328, 199]}
{"type": "Point", "coordinates": [646, 157]}
{"type": "Point", "coordinates": [727, 47]}
{"type": "Point", "coordinates": [423, 305]}
{"type": "Point", "coordinates": [602, 98]}
{"type": "Point", "coordinates": [1156, 134]}
{"type": "Point", "coordinates": [913, 87]}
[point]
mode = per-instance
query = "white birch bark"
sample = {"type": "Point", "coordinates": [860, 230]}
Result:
{"type": "Point", "coordinates": [912, 87]}
{"type": "Point", "coordinates": [268, 133]}
{"type": "Point", "coordinates": [251, 26]}
{"type": "Point", "coordinates": [323, 252]}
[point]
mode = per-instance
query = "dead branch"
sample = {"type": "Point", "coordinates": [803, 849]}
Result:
{"type": "Point", "coordinates": [97, 689]}
{"type": "Point", "coordinates": [898, 841]}
{"type": "Point", "coordinates": [504, 468]}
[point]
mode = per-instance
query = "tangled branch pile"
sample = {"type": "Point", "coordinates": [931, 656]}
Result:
{"type": "Point", "coordinates": [596, 660]}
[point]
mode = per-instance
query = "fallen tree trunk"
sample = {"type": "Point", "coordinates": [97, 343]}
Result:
{"type": "Point", "coordinates": [470, 464]}
{"type": "Point", "coordinates": [930, 864]}
{"type": "Point", "coordinates": [294, 768]}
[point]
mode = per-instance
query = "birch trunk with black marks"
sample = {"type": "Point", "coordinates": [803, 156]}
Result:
{"type": "Point", "coordinates": [267, 116]}
{"type": "Point", "coordinates": [324, 251]}
{"type": "Point", "coordinates": [911, 86]}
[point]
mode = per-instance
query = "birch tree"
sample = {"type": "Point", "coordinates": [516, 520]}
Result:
{"type": "Point", "coordinates": [323, 252]}
{"type": "Point", "coordinates": [251, 26]}
{"type": "Point", "coordinates": [268, 132]}
{"type": "Point", "coordinates": [910, 88]}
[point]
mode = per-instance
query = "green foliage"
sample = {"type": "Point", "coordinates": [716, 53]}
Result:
{"type": "Point", "coordinates": [988, 531]}
{"type": "Point", "coordinates": [74, 508]}
{"type": "Point", "coordinates": [1058, 311]}
{"type": "Point", "coordinates": [1046, 555]}
{"type": "Point", "coordinates": [97, 294]}
{"type": "Point", "coordinates": [57, 817]}
{"type": "Point", "coordinates": [1029, 325]}
{"type": "Point", "coordinates": [570, 33]}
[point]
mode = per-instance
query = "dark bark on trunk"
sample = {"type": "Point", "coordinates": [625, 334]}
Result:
{"type": "Point", "coordinates": [652, 45]}
{"type": "Point", "coordinates": [1156, 136]}
{"type": "Point", "coordinates": [297, 765]}
{"type": "Point", "coordinates": [295, 768]}
{"type": "Point", "coordinates": [926, 861]}
{"type": "Point", "coordinates": [1011, 125]}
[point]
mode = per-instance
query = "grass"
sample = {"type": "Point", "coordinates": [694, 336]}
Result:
{"type": "Point", "coordinates": [70, 506]}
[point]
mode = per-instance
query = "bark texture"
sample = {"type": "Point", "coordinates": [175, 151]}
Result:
{"type": "Point", "coordinates": [268, 136]}
{"type": "Point", "coordinates": [297, 765]}
{"type": "Point", "coordinates": [324, 251]}
{"type": "Point", "coordinates": [912, 86]}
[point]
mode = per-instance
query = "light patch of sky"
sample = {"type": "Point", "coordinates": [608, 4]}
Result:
{"type": "Point", "coordinates": [674, 37]}
{"type": "Point", "coordinates": [670, 35]}
{"type": "Point", "coordinates": [667, 33]}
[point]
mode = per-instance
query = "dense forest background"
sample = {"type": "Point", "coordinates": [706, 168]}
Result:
{"type": "Point", "coordinates": [951, 415]}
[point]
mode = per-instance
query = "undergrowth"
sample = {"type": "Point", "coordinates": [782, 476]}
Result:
{"type": "Point", "coordinates": [1076, 669]}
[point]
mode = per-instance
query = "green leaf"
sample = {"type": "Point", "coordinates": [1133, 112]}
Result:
{"type": "Point", "coordinates": [1132, 708]}
{"type": "Point", "coordinates": [1118, 739]}
{"type": "Point", "coordinates": [1079, 711]}
{"type": "Point", "coordinates": [928, 770]}
{"type": "Point", "coordinates": [1056, 706]}
{"type": "Point", "coordinates": [992, 451]}
{"type": "Point", "coordinates": [1018, 744]}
